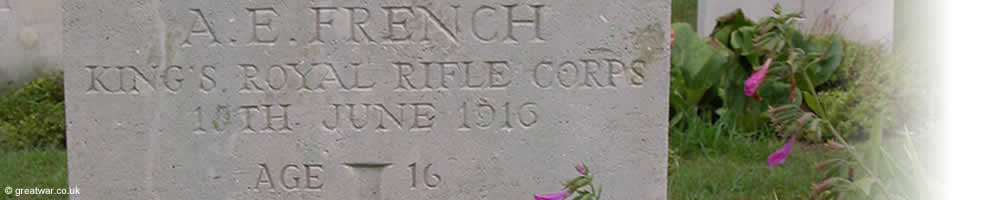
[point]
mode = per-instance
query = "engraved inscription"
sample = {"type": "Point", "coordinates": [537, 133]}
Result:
{"type": "Point", "coordinates": [358, 16]}
{"type": "Point", "coordinates": [427, 176]}
{"type": "Point", "coordinates": [418, 116]}
{"type": "Point", "coordinates": [379, 25]}
{"type": "Point", "coordinates": [588, 73]}
{"type": "Point", "coordinates": [200, 26]}
{"type": "Point", "coordinates": [324, 22]}
{"type": "Point", "coordinates": [405, 99]}
{"type": "Point", "coordinates": [137, 80]}
{"type": "Point", "coordinates": [485, 113]}
{"type": "Point", "coordinates": [333, 77]}
{"type": "Point", "coordinates": [398, 17]}
{"type": "Point", "coordinates": [535, 22]}
{"type": "Point", "coordinates": [251, 118]}
{"type": "Point", "coordinates": [443, 75]}
{"type": "Point", "coordinates": [274, 117]}
{"type": "Point", "coordinates": [260, 20]}
{"type": "Point", "coordinates": [117, 79]}
{"type": "Point", "coordinates": [292, 177]}
{"type": "Point", "coordinates": [264, 178]}
{"type": "Point", "coordinates": [406, 76]}
{"type": "Point", "coordinates": [433, 19]}
{"type": "Point", "coordinates": [208, 82]}
{"type": "Point", "coordinates": [369, 178]}
{"type": "Point", "coordinates": [485, 11]}
{"type": "Point", "coordinates": [219, 119]}
{"type": "Point", "coordinates": [314, 77]}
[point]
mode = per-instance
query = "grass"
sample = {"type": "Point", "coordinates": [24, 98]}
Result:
{"type": "Point", "coordinates": [41, 168]}
{"type": "Point", "coordinates": [714, 162]}
{"type": "Point", "coordinates": [744, 174]}
{"type": "Point", "coordinates": [684, 11]}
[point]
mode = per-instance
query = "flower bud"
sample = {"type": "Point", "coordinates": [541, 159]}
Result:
{"type": "Point", "coordinates": [824, 164]}
{"type": "Point", "coordinates": [833, 145]}
{"type": "Point", "coordinates": [582, 169]}
{"type": "Point", "coordinates": [822, 186]}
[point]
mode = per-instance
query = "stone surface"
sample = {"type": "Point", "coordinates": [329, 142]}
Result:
{"type": "Point", "coordinates": [859, 20]}
{"type": "Point", "coordinates": [30, 40]}
{"type": "Point", "coordinates": [364, 99]}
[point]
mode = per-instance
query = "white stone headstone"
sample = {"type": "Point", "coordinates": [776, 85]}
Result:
{"type": "Point", "coordinates": [384, 99]}
{"type": "Point", "coordinates": [30, 40]}
{"type": "Point", "coordinates": [860, 20]}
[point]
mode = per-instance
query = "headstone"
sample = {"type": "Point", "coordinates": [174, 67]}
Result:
{"type": "Point", "coordinates": [30, 40]}
{"type": "Point", "coordinates": [360, 99]}
{"type": "Point", "coordinates": [859, 20]}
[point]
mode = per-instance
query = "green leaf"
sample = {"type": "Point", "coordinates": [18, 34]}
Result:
{"type": "Point", "coordinates": [725, 25]}
{"type": "Point", "coordinates": [576, 183]}
{"type": "Point", "coordinates": [811, 102]}
{"type": "Point", "coordinates": [774, 93]}
{"type": "Point", "coordinates": [830, 62]}
{"type": "Point", "coordinates": [699, 65]}
{"type": "Point", "coordinates": [600, 190]}
{"type": "Point", "coordinates": [742, 40]}
{"type": "Point", "coordinates": [796, 39]}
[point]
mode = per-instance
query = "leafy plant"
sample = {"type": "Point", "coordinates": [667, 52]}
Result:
{"type": "Point", "coordinates": [738, 47]}
{"type": "Point", "coordinates": [869, 171]}
{"type": "Point", "coordinates": [873, 85]}
{"type": "Point", "coordinates": [802, 63]}
{"type": "Point", "coordinates": [577, 186]}
{"type": "Point", "coordinates": [33, 116]}
{"type": "Point", "coordinates": [697, 65]}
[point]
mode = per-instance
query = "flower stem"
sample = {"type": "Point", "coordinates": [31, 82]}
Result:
{"type": "Point", "coordinates": [850, 149]}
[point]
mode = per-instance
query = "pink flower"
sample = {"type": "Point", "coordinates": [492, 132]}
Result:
{"type": "Point", "coordinates": [750, 88]}
{"type": "Point", "coordinates": [778, 157]}
{"type": "Point", "coordinates": [553, 196]}
{"type": "Point", "coordinates": [581, 169]}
